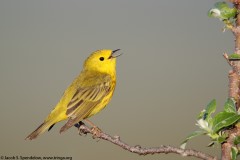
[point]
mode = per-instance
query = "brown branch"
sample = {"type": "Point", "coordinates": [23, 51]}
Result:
{"type": "Point", "coordinates": [142, 150]}
{"type": "Point", "coordinates": [236, 65]}
{"type": "Point", "coordinates": [226, 147]}
{"type": "Point", "coordinates": [234, 85]}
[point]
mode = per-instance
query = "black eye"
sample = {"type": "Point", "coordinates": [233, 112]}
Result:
{"type": "Point", "coordinates": [101, 58]}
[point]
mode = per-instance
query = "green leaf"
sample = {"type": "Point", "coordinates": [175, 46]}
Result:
{"type": "Point", "coordinates": [237, 140]}
{"type": "Point", "coordinates": [190, 136]}
{"type": "Point", "coordinates": [228, 13]}
{"type": "Point", "coordinates": [201, 114]}
{"type": "Point", "coordinates": [223, 12]}
{"type": "Point", "coordinates": [234, 56]}
{"type": "Point", "coordinates": [224, 119]}
{"type": "Point", "coordinates": [234, 153]}
{"type": "Point", "coordinates": [211, 107]}
{"type": "Point", "coordinates": [221, 139]}
{"type": "Point", "coordinates": [229, 106]}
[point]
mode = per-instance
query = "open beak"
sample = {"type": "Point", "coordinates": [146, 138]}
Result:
{"type": "Point", "coordinates": [115, 54]}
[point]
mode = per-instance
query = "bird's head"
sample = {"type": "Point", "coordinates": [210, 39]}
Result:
{"type": "Point", "coordinates": [102, 61]}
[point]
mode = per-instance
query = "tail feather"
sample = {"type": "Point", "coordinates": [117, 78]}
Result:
{"type": "Point", "coordinates": [68, 125]}
{"type": "Point", "coordinates": [42, 128]}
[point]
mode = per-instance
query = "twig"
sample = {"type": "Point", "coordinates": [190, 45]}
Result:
{"type": "Point", "coordinates": [144, 151]}
{"type": "Point", "coordinates": [225, 55]}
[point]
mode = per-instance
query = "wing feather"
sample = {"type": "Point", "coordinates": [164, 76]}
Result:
{"type": "Point", "coordinates": [85, 100]}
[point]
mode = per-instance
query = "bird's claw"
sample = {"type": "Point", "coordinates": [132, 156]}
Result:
{"type": "Point", "coordinates": [81, 131]}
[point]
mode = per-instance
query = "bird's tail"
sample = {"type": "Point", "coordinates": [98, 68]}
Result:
{"type": "Point", "coordinates": [46, 125]}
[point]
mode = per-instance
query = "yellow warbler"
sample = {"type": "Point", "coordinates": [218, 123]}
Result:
{"type": "Point", "coordinates": [88, 94]}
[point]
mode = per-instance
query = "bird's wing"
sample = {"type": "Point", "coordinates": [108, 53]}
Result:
{"type": "Point", "coordinates": [85, 100]}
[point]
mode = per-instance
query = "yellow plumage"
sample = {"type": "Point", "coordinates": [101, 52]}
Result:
{"type": "Point", "coordinates": [88, 94]}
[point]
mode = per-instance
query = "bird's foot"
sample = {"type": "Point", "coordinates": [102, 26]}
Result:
{"type": "Point", "coordinates": [96, 132]}
{"type": "Point", "coordinates": [80, 131]}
